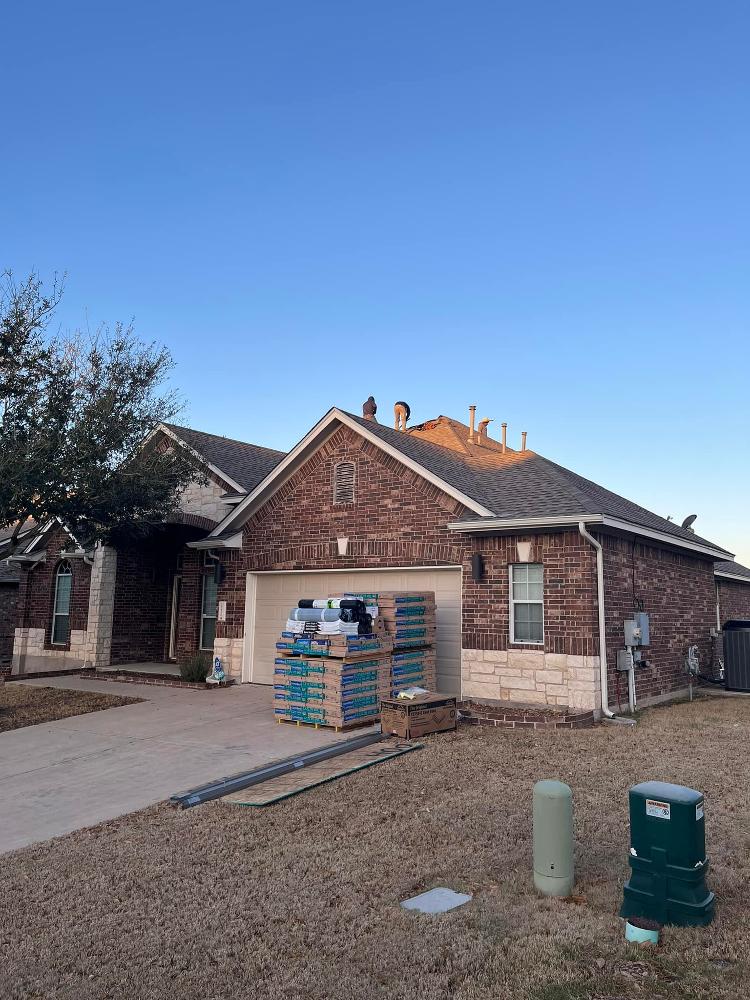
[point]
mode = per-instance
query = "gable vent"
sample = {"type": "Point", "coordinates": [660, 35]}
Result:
{"type": "Point", "coordinates": [343, 483]}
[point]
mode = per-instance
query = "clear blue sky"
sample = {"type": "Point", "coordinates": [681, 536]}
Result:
{"type": "Point", "coordinates": [540, 208]}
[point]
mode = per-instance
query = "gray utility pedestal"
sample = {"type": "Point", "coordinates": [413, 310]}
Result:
{"type": "Point", "coordinates": [553, 838]}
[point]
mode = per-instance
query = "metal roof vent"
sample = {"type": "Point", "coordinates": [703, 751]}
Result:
{"type": "Point", "coordinates": [343, 482]}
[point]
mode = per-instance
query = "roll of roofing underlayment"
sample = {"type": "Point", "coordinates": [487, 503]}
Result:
{"type": "Point", "coordinates": [314, 614]}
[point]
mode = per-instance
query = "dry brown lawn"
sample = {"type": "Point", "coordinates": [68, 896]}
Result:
{"type": "Point", "coordinates": [301, 900]}
{"type": "Point", "coordinates": [28, 705]}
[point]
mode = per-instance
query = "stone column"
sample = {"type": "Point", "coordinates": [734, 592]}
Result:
{"type": "Point", "coordinates": [101, 607]}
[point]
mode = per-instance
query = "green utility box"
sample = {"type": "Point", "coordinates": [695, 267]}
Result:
{"type": "Point", "coordinates": [668, 856]}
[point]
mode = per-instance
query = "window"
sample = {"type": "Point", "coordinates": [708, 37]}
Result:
{"type": "Point", "coordinates": [343, 483]}
{"type": "Point", "coordinates": [61, 607]}
{"type": "Point", "coordinates": [527, 603]}
{"type": "Point", "coordinates": [208, 612]}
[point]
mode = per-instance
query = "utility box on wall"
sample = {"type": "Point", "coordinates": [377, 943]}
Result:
{"type": "Point", "coordinates": [637, 630]}
{"type": "Point", "coordinates": [668, 856]}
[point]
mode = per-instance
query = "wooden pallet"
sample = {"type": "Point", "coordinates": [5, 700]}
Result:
{"type": "Point", "coordinates": [343, 728]}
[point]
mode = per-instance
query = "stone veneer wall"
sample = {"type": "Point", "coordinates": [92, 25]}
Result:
{"type": "Point", "coordinates": [531, 677]}
{"type": "Point", "coordinates": [230, 651]}
{"type": "Point", "coordinates": [204, 499]}
{"type": "Point", "coordinates": [101, 607]}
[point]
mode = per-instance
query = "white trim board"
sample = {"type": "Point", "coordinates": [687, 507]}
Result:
{"type": "Point", "coordinates": [318, 435]}
{"type": "Point", "coordinates": [353, 569]}
{"type": "Point", "coordinates": [568, 520]}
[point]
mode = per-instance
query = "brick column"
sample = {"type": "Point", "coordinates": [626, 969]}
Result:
{"type": "Point", "coordinates": [101, 607]}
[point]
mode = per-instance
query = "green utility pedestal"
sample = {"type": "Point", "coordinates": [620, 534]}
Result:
{"type": "Point", "coordinates": [668, 856]}
{"type": "Point", "coordinates": [552, 808]}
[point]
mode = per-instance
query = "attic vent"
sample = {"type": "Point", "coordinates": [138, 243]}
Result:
{"type": "Point", "coordinates": [343, 483]}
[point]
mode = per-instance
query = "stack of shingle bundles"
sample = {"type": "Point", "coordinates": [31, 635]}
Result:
{"type": "Point", "coordinates": [413, 668]}
{"type": "Point", "coordinates": [329, 671]}
{"type": "Point", "coordinates": [409, 619]}
{"type": "Point", "coordinates": [328, 691]}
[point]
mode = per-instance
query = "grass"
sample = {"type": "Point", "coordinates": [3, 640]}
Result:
{"type": "Point", "coordinates": [29, 705]}
{"type": "Point", "coordinates": [301, 901]}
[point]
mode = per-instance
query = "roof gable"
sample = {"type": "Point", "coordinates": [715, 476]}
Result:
{"type": "Point", "coordinates": [241, 465]}
{"type": "Point", "coordinates": [436, 465]}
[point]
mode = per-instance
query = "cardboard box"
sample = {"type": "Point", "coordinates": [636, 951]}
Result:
{"type": "Point", "coordinates": [428, 713]}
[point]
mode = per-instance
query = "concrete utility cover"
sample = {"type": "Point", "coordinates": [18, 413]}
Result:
{"type": "Point", "coordinates": [438, 900]}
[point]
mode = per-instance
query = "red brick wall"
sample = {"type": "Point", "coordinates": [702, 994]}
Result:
{"type": "Point", "coordinates": [8, 615]}
{"type": "Point", "coordinates": [570, 612]}
{"type": "Point", "coordinates": [36, 591]}
{"type": "Point", "coordinates": [734, 599]}
{"type": "Point", "coordinates": [677, 592]}
{"type": "Point", "coordinates": [399, 519]}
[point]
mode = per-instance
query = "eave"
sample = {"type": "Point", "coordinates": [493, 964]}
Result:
{"type": "Point", "coordinates": [495, 526]}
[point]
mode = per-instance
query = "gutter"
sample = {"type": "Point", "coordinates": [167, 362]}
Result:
{"type": "Point", "coordinates": [732, 576]}
{"type": "Point", "coordinates": [33, 559]}
{"type": "Point", "coordinates": [516, 524]}
{"type": "Point", "coordinates": [211, 542]}
{"type": "Point", "coordinates": [604, 680]}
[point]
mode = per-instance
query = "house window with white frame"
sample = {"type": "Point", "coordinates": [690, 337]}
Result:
{"type": "Point", "coordinates": [208, 612]}
{"type": "Point", "coordinates": [527, 603]}
{"type": "Point", "coordinates": [61, 607]}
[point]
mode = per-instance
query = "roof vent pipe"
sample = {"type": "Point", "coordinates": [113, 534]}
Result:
{"type": "Point", "coordinates": [505, 434]}
{"type": "Point", "coordinates": [472, 417]}
{"type": "Point", "coordinates": [523, 440]}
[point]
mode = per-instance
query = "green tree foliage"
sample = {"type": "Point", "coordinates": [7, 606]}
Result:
{"type": "Point", "coordinates": [74, 413]}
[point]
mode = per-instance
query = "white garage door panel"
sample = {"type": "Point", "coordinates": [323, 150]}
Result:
{"type": "Point", "coordinates": [271, 595]}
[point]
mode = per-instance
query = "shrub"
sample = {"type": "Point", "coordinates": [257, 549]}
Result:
{"type": "Point", "coordinates": [196, 668]}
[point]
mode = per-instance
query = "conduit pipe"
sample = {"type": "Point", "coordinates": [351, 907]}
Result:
{"type": "Point", "coordinates": [602, 626]}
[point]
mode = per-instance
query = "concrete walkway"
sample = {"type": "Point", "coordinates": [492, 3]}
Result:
{"type": "Point", "coordinates": [60, 776]}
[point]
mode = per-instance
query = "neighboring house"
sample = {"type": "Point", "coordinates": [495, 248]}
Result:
{"type": "Point", "coordinates": [506, 539]}
{"type": "Point", "coordinates": [732, 592]}
{"type": "Point", "coordinates": [153, 600]}
{"type": "Point", "coordinates": [9, 576]}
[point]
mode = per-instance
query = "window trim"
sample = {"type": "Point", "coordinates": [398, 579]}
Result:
{"type": "Point", "coordinates": [512, 603]}
{"type": "Point", "coordinates": [337, 466]}
{"type": "Point", "coordinates": [204, 616]}
{"type": "Point", "coordinates": [59, 572]}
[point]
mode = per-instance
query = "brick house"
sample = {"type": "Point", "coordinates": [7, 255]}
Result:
{"type": "Point", "coordinates": [534, 568]}
{"type": "Point", "coordinates": [152, 600]}
{"type": "Point", "coordinates": [521, 622]}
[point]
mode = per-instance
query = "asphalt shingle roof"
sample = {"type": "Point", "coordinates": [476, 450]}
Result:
{"type": "Point", "coordinates": [524, 484]}
{"type": "Point", "coordinates": [730, 566]}
{"type": "Point", "coordinates": [246, 464]}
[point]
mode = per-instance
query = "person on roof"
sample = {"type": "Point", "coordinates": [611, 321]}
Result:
{"type": "Point", "coordinates": [370, 408]}
{"type": "Point", "coordinates": [401, 413]}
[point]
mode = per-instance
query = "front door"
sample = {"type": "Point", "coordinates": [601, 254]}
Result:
{"type": "Point", "coordinates": [174, 615]}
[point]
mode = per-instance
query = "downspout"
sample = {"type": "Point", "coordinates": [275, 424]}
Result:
{"type": "Point", "coordinates": [604, 684]}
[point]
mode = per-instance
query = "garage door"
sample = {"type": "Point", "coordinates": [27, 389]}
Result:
{"type": "Point", "coordinates": [271, 595]}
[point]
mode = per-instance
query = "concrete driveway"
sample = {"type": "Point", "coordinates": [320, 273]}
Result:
{"type": "Point", "coordinates": [64, 775]}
